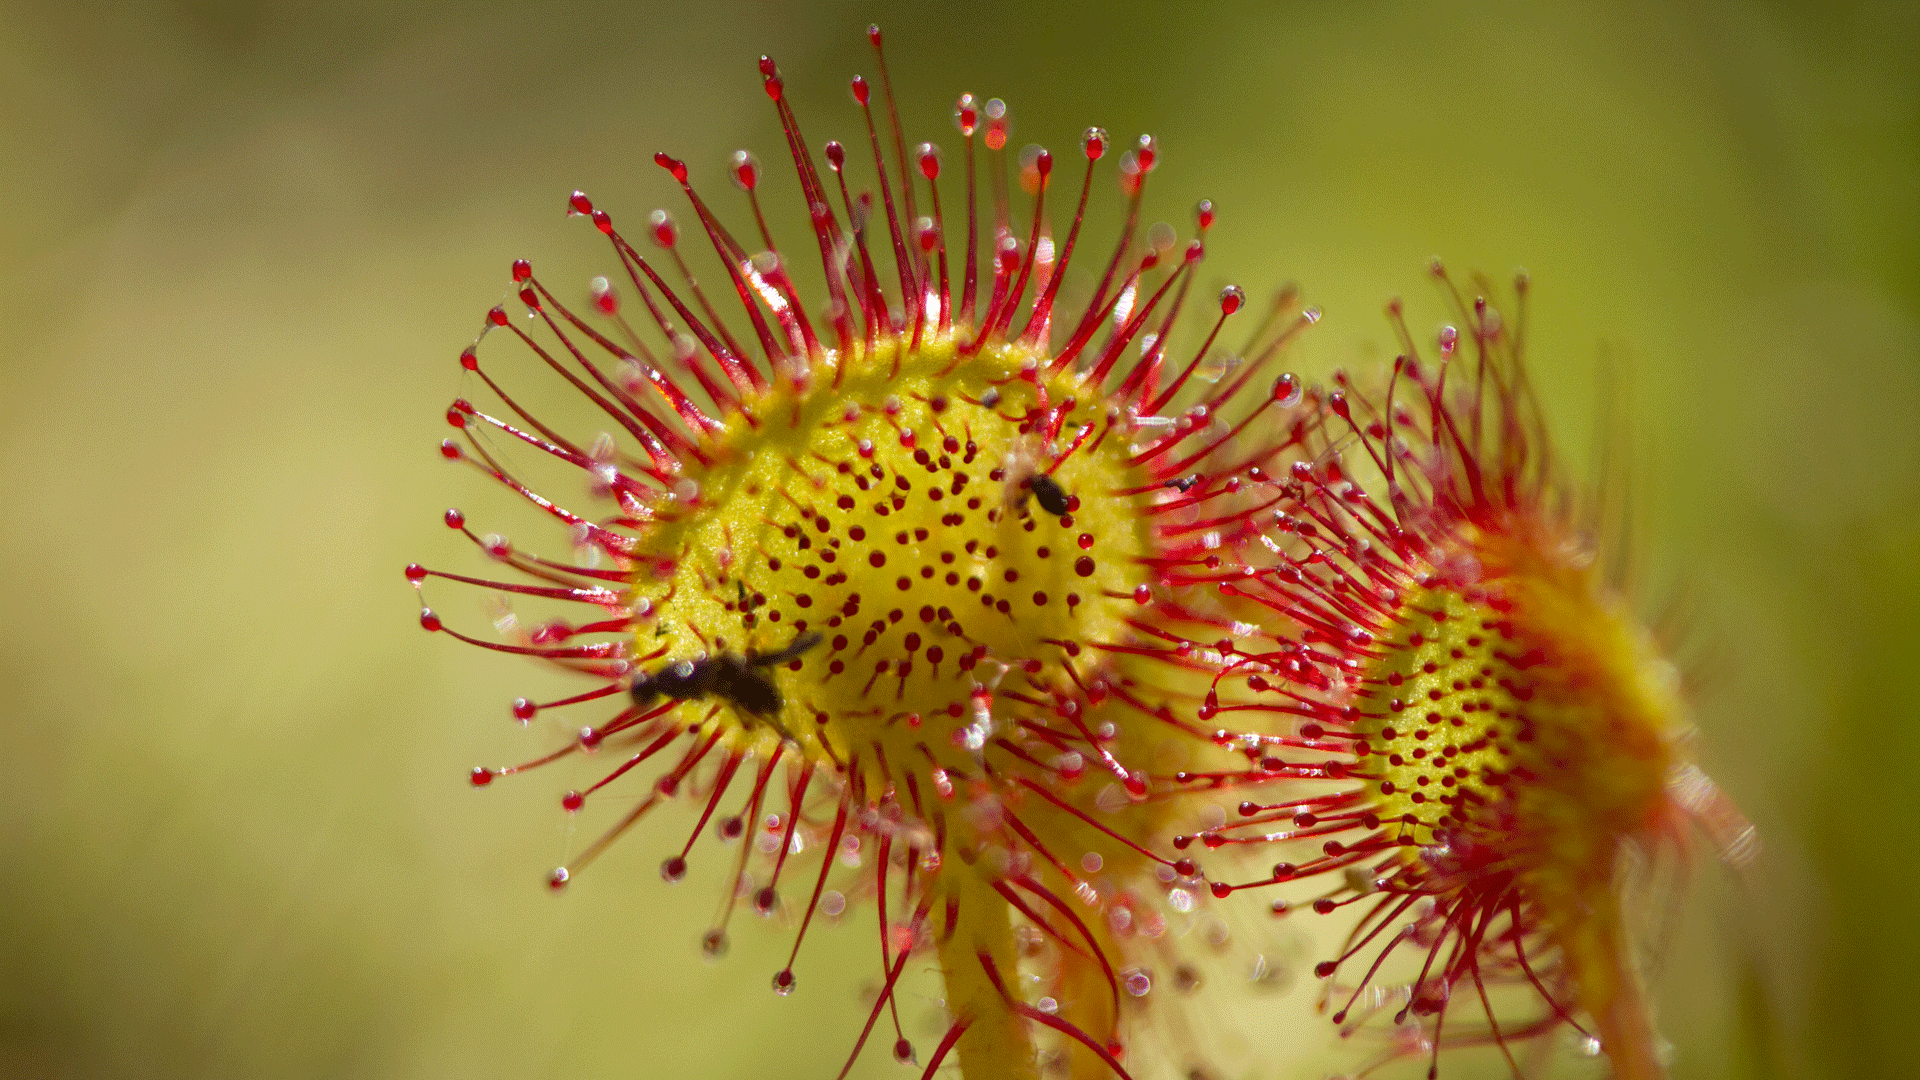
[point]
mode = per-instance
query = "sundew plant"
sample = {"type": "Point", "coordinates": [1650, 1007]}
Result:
{"type": "Point", "coordinates": [986, 584]}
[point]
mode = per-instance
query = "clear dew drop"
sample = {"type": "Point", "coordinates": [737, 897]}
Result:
{"type": "Point", "coordinates": [1287, 390]}
{"type": "Point", "coordinates": [1265, 974]}
{"type": "Point", "coordinates": [1218, 365]}
{"type": "Point", "coordinates": [1161, 237]}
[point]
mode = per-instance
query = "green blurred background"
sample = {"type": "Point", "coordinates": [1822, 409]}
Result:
{"type": "Point", "coordinates": [241, 246]}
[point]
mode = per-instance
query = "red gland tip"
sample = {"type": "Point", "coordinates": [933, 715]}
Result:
{"type": "Point", "coordinates": [1185, 867]}
{"type": "Point", "coordinates": [530, 298]}
{"type": "Point", "coordinates": [1221, 890]}
{"type": "Point", "coordinates": [673, 869]}
{"type": "Point", "coordinates": [416, 572]}
{"type": "Point", "coordinates": [481, 776]}
{"type": "Point", "coordinates": [783, 982]}
{"type": "Point", "coordinates": [873, 34]}
{"type": "Point", "coordinates": [1146, 151]}
{"type": "Point", "coordinates": [1204, 214]}
{"type": "Point", "coordinates": [1286, 389]}
{"type": "Point", "coordinates": [455, 519]}
{"type": "Point", "coordinates": [836, 155]}
{"type": "Point", "coordinates": [996, 124]}
{"type": "Point", "coordinates": [449, 449]}
{"type": "Point", "coordinates": [672, 164]}
{"type": "Point", "coordinates": [1337, 401]}
{"type": "Point", "coordinates": [1093, 142]}
{"type": "Point", "coordinates": [455, 417]}
{"type": "Point", "coordinates": [771, 75]}
{"type": "Point", "coordinates": [665, 232]}
{"type": "Point", "coordinates": [860, 90]}
{"type": "Point", "coordinates": [429, 620]}
{"type": "Point", "coordinates": [578, 203]}
{"type": "Point", "coordinates": [469, 359]}
{"type": "Point", "coordinates": [966, 115]}
{"type": "Point", "coordinates": [746, 170]}
{"type": "Point", "coordinates": [1325, 969]}
{"type": "Point", "coordinates": [558, 879]}
{"type": "Point", "coordinates": [572, 801]}
{"type": "Point", "coordinates": [522, 269]}
{"type": "Point", "coordinates": [498, 316]}
{"type": "Point", "coordinates": [1043, 162]}
{"type": "Point", "coordinates": [929, 156]}
{"type": "Point", "coordinates": [602, 222]}
{"type": "Point", "coordinates": [524, 710]}
{"type": "Point", "coordinates": [606, 299]}
{"type": "Point", "coordinates": [903, 1052]}
{"type": "Point", "coordinates": [1231, 298]}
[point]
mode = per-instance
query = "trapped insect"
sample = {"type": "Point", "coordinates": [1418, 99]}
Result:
{"type": "Point", "coordinates": [1049, 494]}
{"type": "Point", "coordinates": [740, 680]}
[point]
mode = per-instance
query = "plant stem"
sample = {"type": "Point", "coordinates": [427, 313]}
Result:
{"type": "Point", "coordinates": [1609, 991]}
{"type": "Point", "coordinates": [997, 1043]}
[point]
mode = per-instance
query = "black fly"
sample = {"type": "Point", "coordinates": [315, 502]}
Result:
{"type": "Point", "coordinates": [741, 680]}
{"type": "Point", "coordinates": [1049, 494]}
{"type": "Point", "coordinates": [1182, 484]}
